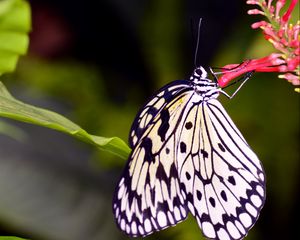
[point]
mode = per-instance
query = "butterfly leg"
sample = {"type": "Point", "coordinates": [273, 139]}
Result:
{"type": "Point", "coordinates": [214, 75]}
{"type": "Point", "coordinates": [243, 79]}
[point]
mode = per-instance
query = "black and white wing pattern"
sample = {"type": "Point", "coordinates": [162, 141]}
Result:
{"type": "Point", "coordinates": [148, 197]}
{"type": "Point", "coordinates": [223, 179]}
{"type": "Point", "coordinates": [154, 107]}
{"type": "Point", "coordinates": [188, 156]}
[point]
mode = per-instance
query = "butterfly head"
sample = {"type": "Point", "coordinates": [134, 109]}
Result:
{"type": "Point", "coordinates": [200, 72]}
{"type": "Point", "coordinates": [200, 76]}
{"type": "Point", "coordinates": [205, 87]}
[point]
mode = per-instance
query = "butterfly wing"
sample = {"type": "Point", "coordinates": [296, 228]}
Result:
{"type": "Point", "coordinates": [154, 106]}
{"type": "Point", "coordinates": [148, 197]}
{"type": "Point", "coordinates": [188, 155]}
{"type": "Point", "coordinates": [223, 179]}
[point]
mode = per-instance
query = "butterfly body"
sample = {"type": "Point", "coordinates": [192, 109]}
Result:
{"type": "Point", "coordinates": [188, 156]}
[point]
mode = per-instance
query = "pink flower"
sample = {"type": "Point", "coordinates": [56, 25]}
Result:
{"type": "Point", "coordinates": [284, 37]}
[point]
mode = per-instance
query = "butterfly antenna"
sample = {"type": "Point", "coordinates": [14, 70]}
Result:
{"type": "Point", "coordinates": [197, 43]}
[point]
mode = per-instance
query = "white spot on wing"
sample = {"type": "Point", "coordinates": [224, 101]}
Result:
{"type": "Point", "coordinates": [147, 225]}
{"type": "Point", "coordinates": [256, 200]}
{"type": "Point", "coordinates": [208, 230]}
{"type": "Point", "coordinates": [251, 209]}
{"type": "Point", "coordinates": [127, 229]}
{"type": "Point", "coordinates": [262, 177]}
{"type": "Point", "coordinates": [260, 190]}
{"type": "Point", "coordinates": [240, 227]}
{"type": "Point", "coordinates": [134, 139]}
{"type": "Point", "coordinates": [122, 225]}
{"type": "Point", "coordinates": [246, 219]}
{"type": "Point", "coordinates": [121, 181]}
{"type": "Point", "coordinates": [234, 232]}
{"type": "Point", "coordinates": [161, 219]}
{"type": "Point", "coordinates": [183, 211]}
{"type": "Point", "coordinates": [170, 217]}
{"type": "Point", "coordinates": [222, 234]}
{"type": "Point", "coordinates": [177, 214]}
{"type": "Point", "coordinates": [133, 227]}
{"type": "Point", "coordinates": [161, 94]}
{"type": "Point", "coordinates": [154, 223]}
{"type": "Point", "coordinates": [141, 230]}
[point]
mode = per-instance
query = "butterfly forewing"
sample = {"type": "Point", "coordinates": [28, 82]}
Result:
{"type": "Point", "coordinates": [154, 106]}
{"type": "Point", "coordinates": [148, 197]}
{"type": "Point", "coordinates": [189, 156]}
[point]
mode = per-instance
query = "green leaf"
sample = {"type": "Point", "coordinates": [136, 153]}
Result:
{"type": "Point", "coordinates": [11, 238]}
{"type": "Point", "coordinates": [12, 131]}
{"type": "Point", "coordinates": [17, 110]}
{"type": "Point", "coordinates": [15, 22]}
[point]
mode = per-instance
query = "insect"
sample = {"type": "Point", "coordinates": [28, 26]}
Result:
{"type": "Point", "coordinates": [188, 156]}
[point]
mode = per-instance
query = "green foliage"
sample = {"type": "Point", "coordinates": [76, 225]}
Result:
{"type": "Point", "coordinates": [11, 238]}
{"type": "Point", "coordinates": [14, 27]}
{"type": "Point", "coordinates": [14, 109]}
{"type": "Point", "coordinates": [81, 88]}
{"type": "Point", "coordinates": [12, 131]}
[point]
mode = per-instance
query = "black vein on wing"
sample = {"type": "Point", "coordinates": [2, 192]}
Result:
{"type": "Point", "coordinates": [210, 105]}
{"type": "Point", "coordinates": [168, 96]}
{"type": "Point", "coordinates": [232, 139]}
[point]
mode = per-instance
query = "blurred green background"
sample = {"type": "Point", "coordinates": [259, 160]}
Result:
{"type": "Point", "coordinates": [97, 62]}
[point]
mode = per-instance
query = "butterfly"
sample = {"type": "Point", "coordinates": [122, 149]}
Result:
{"type": "Point", "coordinates": [189, 157]}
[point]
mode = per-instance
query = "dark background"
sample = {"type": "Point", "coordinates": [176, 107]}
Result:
{"type": "Point", "coordinates": [96, 62]}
